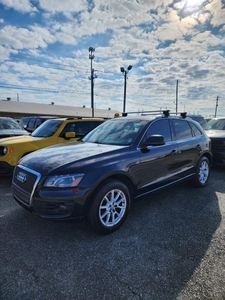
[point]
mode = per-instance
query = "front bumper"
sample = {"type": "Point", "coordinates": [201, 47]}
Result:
{"type": "Point", "coordinates": [51, 206]}
{"type": "Point", "coordinates": [47, 202]}
{"type": "Point", "coordinates": [219, 159]}
{"type": "Point", "coordinates": [6, 169]}
{"type": "Point", "coordinates": [58, 210]}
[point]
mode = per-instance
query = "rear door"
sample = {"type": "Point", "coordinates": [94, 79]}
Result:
{"type": "Point", "coordinates": [189, 145]}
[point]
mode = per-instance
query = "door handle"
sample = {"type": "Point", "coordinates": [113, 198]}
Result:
{"type": "Point", "coordinates": [173, 152]}
{"type": "Point", "coordinates": [199, 148]}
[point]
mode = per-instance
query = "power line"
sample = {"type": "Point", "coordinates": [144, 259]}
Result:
{"type": "Point", "coordinates": [45, 62]}
{"type": "Point", "coordinates": [10, 86]}
{"type": "Point", "coordinates": [17, 87]}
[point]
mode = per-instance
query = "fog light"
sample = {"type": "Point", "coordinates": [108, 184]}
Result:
{"type": "Point", "coordinates": [61, 208]}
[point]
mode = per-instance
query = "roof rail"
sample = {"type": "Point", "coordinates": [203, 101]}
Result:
{"type": "Point", "coordinates": [166, 113]}
{"type": "Point", "coordinates": [147, 112]}
{"type": "Point", "coordinates": [183, 115]}
{"type": "Point", "coordinates": [80, 117]}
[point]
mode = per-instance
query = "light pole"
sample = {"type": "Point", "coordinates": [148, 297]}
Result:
{"type": "Point", "coordinates": [217, 100]}
{"type": "Point", "coordinates": [176, 96]}
{"type": "Point", "coordinates": [125, 72]}
{"type": "Point", "coordinates": [91, 57]}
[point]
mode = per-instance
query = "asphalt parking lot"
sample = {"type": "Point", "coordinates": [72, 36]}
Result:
{"type": "Point", "coordinates": [172, 246]}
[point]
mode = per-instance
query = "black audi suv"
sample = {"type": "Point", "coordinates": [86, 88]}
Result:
{"type": "Point", "coordinates": [122, 159]}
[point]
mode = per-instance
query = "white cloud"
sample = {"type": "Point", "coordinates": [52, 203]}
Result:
{"type": "Point", "coordinates": [217, 13]}
{"type": "Point", "coordinates": [23, 6]}
{"type": "Point", "coordinates": [162, 46]}
{"type": "Point", "coordinates": [22, 38]}
{"type": "Point", "coordinates": [55, 6]}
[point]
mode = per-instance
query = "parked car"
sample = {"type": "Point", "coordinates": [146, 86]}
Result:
{"type": "Point", "coordinates": [215, 129]}
{"type": "Point", "coordinates": [198, 118]}
{"type": "Point", "coordinates": [122, 159]}
{"type": "Point", "coordinates": [54, 131]}
{"type": "Point", "coordinates": [33, 122]}
{"type": "Point", "coordinates": [9, 127]}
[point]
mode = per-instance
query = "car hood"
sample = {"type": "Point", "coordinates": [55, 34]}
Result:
{"type": "Point", "coordinates": [215, 133]}
{"type": "Point", "coordinates": [18, 140]}
{"type": "Point", "coordinates": [76, 154]}
{"type": "Point", "coordinates": [13, 132]}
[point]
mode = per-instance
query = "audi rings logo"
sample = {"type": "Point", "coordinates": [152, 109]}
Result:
{"type": "Point", "coordinates": [22, 177]}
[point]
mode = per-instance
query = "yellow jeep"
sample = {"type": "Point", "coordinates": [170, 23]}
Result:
{"type": "Point", "coordinates": [51, 132]}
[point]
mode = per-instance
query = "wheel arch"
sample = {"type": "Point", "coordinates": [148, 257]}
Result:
{"type": "Point", "coordinates": [118, 177]}
{"type": "Point", "coordinates": [207, 155]}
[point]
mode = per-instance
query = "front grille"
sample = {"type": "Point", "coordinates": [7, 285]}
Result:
{"type": "Point", "coordinates": [20, 194]}
{"type": "Point", "coordinates": [218, 145]}
{"type": "Point", "coordinates": [24, 183]}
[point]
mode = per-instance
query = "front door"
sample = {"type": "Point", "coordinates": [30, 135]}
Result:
{"type": "Point", "coordinates": [159, 165]}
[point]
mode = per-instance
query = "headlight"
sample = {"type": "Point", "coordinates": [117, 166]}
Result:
{"type": "Point", "coordinates": [70, 180]}
{"type": "Point", "coordinates": [5, 150]}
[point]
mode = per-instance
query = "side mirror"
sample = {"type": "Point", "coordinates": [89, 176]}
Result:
{"type": "Point", "coordinates": [154, 140]}
{"type": "Point", "coordinates": [70, 135]}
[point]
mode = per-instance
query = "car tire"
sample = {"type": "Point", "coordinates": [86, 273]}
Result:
{"type": "Point", "coordinates": [109, 207]}
{"type": "Point", "coordinates": [202, 172]}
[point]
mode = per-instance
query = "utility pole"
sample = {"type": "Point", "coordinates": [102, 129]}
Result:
{"type": "Point", "coordinates": [91, 57]}
{"type": "Point", "coordinates": [125, 84]}
{"type": "Point", "coordinates": [217, 100]}
{"type": "Point", "coordinates": [176, 97]}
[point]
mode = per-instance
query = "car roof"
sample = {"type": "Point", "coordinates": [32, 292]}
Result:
{"type": "Point", "coordinates": [5, 118]}
{"type": "Point", "coordinates": [41, 117]}
{"type": "Point", "coordinates": [80, 119]}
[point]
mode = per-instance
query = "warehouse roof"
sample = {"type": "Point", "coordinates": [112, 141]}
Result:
{"type": "Point", "coordinates": [18, 109]}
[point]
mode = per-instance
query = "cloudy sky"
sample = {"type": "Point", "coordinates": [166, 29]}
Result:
{"type": "Point", "coordinates": [176, 49]}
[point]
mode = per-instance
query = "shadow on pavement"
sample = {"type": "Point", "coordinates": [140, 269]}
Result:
{"type": "Point", "coordinates": [152, 256]}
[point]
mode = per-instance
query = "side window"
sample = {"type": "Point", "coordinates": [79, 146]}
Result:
{"type": "Point", "coordinates": [195, 129]}
{"type": "Point", "coordinates": [80, 128]}
{"type": "Point", "coordinates": [24, 122]}
{"type": "Point", "coordinates": [161, 127]}
{"type": "Point", "coordinates": [38, 123]}
{"type": "Point", "coordinates": [182, 129]}
{"type": "Point", "coordinates": [95, 124]}
{"type": "Point", "coordinates": [31, 123]}
{"type": "Point", "coordinates": [69, 127]}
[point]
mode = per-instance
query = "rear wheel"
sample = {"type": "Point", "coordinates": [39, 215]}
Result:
{"type": "Point", "coordinates": [109, 207]}
{"type": "Point", "coordinates": [202, 172]}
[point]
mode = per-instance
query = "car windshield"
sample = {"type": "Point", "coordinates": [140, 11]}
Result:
{"type": "Point", "coordinates": [116, 132]}
{"type": "Point", "coordinates": [48, 128]}
{"type": "Point", "coordinates": [215, 124]}
{"type": "Point", "coordinates": [9, 124]}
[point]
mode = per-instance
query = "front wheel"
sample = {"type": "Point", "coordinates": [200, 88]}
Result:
{"type": "Point", "coordinates": [109, 207]}
{"type": "Point", "coordinates": [202, 172]}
